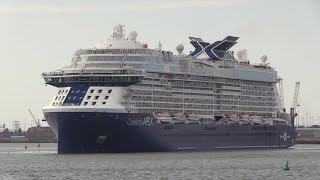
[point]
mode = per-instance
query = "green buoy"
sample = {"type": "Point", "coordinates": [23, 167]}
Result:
{"type": "Point", "coordinates": [286, 167]}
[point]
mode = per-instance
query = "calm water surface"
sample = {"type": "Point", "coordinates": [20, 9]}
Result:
{"type": "Point", "coordinates": [44, 163]}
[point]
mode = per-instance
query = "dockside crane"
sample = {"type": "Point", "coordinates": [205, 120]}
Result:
{"type": "Point", "coordinates": [295, 96]}
{"type": "Point", "coordinates": [34, 119]}
{"type": "Point", "coordinates": [293, 110]}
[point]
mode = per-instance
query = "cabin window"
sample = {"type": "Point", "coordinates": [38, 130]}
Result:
{"type": "Point", "coordinates": [88, 97]}
{"type": "Point", "coordinates": [100, 91]}
{"type": "Point", "coordinates": [96, 97]}
{"type": "Point", "coordinates": [85, 103]}
{"type": "Point", "coordinates": [103, 102]}
{"type": "Point", "coordinates": [92, 90]}
{"type": "Point", "coordinates": [106, 97]}
{"type": "Point", "coordinates": [110, 90]}
{"type": "Point", "coordinates": [94, 103]}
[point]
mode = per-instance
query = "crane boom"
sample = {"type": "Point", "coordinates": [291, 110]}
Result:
{"type": "Point", "coordinates": [34, 119]}
{"type": "Point", "coordinates": [296, 95]}
{"type": "Point", "coordinates": [293, 113]}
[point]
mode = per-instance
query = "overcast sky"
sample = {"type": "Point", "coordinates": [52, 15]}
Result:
{"type": "Point", "coordinates": [40, 36]}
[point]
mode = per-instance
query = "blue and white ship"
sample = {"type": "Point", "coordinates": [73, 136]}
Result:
{"type": "Point", "coordinates": [122, 96]}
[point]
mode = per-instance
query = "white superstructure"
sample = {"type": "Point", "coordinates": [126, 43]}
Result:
{"type": "Point", "coordinates": [134, 78]}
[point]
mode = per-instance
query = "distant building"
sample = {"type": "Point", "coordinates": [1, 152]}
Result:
{"type": "Point", "coordinates": [309, 132]}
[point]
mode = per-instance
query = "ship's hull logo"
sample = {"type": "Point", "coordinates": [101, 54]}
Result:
{"type": "Point", "coordinates": [285, 136]}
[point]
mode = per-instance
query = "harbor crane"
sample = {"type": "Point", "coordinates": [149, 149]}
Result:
{"type": "Point", "coordinates": [295, 96]}
{"type": "Point", "coordinates": [293, 112]}
{"type": "Point", "coordinates": [34, 119]}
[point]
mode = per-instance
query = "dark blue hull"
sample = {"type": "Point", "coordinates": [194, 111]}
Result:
{"type": "Point", "coordinates": [94, 132]}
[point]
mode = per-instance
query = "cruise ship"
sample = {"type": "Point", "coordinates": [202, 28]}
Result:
{"type": "Point", "coordinates": [122, 96]}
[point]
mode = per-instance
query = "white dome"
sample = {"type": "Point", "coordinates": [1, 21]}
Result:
{"type": "Point", "coordinates": [242, 54]}
{"type": "Point", "coordinates": [133, 35]}
{"type": "Point", "coordinates": [264, 58]}
{"type": "Point", "coordinates": [179, 48]}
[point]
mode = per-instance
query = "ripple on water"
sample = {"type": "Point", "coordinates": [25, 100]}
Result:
{"type": "Point", "coordinates": [18, 163]}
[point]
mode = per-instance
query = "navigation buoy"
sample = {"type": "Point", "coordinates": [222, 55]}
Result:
{"type": "Point", "coordinates": [286, 167]}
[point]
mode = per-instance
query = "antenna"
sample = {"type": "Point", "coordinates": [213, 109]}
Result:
{"type": "Point", "coordinates": [118, 31]}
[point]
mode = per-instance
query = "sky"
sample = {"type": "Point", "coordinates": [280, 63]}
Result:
{"type": "Point", "coordinates": [40, 35]}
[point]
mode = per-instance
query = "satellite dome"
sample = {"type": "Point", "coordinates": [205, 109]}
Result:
{"type": "Point", "coordinates": [264, 58]}
{"type": "Point", "coordinates": [242, 54]}
{"type": "Point", "coordinates": [179, 48]}
{"type": "Point", "coordinates": [133, 35]}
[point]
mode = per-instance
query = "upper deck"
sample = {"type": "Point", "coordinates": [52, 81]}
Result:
{"type": "Point", "coordinates": [122, 54]}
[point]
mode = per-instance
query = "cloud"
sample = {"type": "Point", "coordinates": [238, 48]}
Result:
{"type": "Point", "coordinates": [131, 6]}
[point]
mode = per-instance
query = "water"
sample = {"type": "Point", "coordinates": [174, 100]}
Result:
{"type": "Point", "coordinates": [45, 163]}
